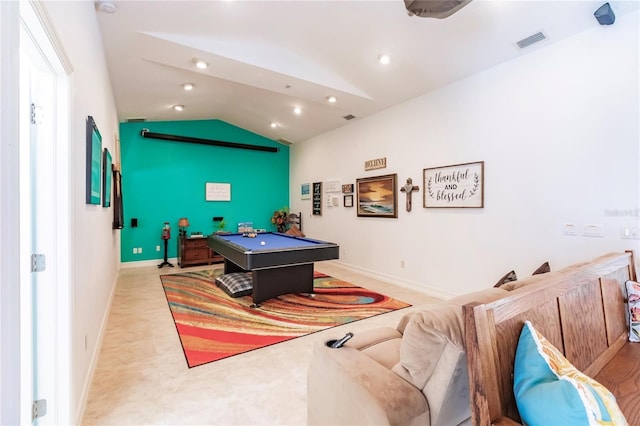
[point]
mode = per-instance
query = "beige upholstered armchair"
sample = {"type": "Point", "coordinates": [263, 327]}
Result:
{"type": "Point", "coordinates": [414, 374]}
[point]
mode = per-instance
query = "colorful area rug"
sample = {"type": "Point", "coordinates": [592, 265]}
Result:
{"type": "Point", "coordinates": [213, 325]}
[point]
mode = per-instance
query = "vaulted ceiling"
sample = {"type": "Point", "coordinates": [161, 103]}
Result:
{"type": "Point", "coordinates": [266, 58]}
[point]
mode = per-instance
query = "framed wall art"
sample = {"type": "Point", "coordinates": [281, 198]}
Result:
{"type": "Point", "coordinates": [348, 200]}
{"type": "Point", "coordinates": [305, 191]}
{"type": "Point", "coordinates": [94, 162]}
{"type": "Point", "coordinates": [118, 211]}
{"type": "Point", "coordinates": [214, 191]}
{"type": "Point", "coordinates": [377, 196]}
{"type": "Point", "coordinates": [332, 185]}
{"type": "Point", "coordinates": [459, 185]}
{"type": "Point", "coordinates": [107, 166]}
{"type": "Point", "coordinates": [317, 199]}
{"type": "Point", "coordinates": [347, 188]}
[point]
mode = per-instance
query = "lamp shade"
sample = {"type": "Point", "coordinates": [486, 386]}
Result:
{"type": "Point", "coordinates": [183, 222]}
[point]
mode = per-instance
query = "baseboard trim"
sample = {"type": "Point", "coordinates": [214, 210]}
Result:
{"type": "Point", "coordinates": [94, 357]}
{"type": "Point", "coordinates": [408, 284]}
{"type": "Point", "coordinates": [147, 263]}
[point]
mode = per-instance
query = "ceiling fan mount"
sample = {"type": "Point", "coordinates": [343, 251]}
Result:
{"type": "Point", "coordinates": [434, 8]}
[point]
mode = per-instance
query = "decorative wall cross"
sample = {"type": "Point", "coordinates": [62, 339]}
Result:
{"type": "Point", "coordinates": [408, 188]}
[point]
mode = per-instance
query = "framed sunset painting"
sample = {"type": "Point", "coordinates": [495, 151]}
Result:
{"type": "Point", "coordinates": [377, 196]}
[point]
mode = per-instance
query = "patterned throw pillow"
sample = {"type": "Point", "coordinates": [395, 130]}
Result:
{"type": "Point", "coordinates": [549, 390]}
{"type": "Point", "coordinates": [542, 269]}
{"type": "Point", "coordinates": [236, 284]}
{"type": "Point", "coordinates": [633, 296]}
{"type": "Point", "coordinates": [509, 276]}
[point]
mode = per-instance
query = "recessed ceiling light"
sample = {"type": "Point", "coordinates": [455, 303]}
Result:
{"type": "Point", "coordinates": [188, 86]}
{"type": "Point", "coordinates": [297, 110]}
{"type": "Point", "coordinates": [384, 58]}
{"type": "Point", "coordinates": [332, 99]}
{"type": "Point", "coordinates": [201, 64]}
{"type": "Point", "coordinates": [274, 124]}
{"type": "Point", "coordinates": [178, 107]}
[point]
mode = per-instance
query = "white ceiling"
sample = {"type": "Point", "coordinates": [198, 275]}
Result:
{"type": "Point", "coordinates": [266, 57]}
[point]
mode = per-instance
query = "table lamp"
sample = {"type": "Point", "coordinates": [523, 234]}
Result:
{"type": "Point", "coordinates": [183, 223]}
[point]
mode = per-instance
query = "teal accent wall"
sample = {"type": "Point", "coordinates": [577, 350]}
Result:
{"type": "Point", "coordinates": [163, 181]}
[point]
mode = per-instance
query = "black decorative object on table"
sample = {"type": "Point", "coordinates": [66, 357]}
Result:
{"type": "Point", "coordinates": [166, 236]}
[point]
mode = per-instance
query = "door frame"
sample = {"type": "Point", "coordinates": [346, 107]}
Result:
{"type": "Point", "coordinates": [16, 385]}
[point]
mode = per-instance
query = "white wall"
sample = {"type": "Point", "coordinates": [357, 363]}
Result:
{"type": "Point", "coordinates": [96, 247]}
{"type": "Point", "coordinates": [9, 215]}
{"type": "Point", "coordinates": [558, 130]}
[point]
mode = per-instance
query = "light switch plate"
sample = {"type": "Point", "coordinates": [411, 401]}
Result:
{"type": "Point", "coordinates": [569, 229]}
{"type": "Point", "coordinates": [592, 231]}
{"type": "Point", "coordinates": [630, 233]}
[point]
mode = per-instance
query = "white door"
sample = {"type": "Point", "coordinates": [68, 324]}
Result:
{"type": "Point", "coordinates": [45, 307]}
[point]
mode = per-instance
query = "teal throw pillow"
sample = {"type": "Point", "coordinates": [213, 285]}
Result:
{"type": "Point", "coordinates": [549, 390]}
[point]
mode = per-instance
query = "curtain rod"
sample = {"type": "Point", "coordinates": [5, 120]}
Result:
{"type": "Point", "coordinates": [147, 134]}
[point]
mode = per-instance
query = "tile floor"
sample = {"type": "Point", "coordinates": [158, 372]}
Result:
{"type": "Point", "coordinates": [142, 378]}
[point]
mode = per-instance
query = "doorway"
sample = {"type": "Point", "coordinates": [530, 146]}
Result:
{"type": "Point", "coordinates": [45, 289]}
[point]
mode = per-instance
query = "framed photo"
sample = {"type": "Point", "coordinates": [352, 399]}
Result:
{"type": "Point", "coordinates": [106, 178]}
{"type": "Point", "coordinates": [460, 185]}
{"type": "Point", "coordinates": [348, 200]}
{"type": "Point", "coordinates": [377, 196]}
{"type": "Point", "coordinates": [94, 162]}
{"type": "Point", "coordinates": [305, 191]}
{"type": "Point", "coordinates": [347, 188]}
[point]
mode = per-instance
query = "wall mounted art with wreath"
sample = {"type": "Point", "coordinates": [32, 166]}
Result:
{"type": "Point", "coordinates": [459, 185]}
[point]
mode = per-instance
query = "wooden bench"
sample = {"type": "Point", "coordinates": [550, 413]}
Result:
{"type": "Point", "coordinates": [581, 310]}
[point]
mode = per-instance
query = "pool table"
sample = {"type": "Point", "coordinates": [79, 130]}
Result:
{"type": "Point", "coordinates": [283, 264]}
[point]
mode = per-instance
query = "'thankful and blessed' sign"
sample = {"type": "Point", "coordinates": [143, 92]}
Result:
{"type": "Point", "coordinates": [460, 185]}
{"type": "Point", "coordinates": [378, 163]}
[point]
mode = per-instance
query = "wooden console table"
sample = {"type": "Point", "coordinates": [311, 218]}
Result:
{"type": "Point", "coordinates": [195, 251]}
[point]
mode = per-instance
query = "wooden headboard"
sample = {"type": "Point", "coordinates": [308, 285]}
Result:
{"type": "Point", "coordinates": [580, 310]}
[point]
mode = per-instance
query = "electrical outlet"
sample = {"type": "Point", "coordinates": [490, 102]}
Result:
{"type": "Point", "coordinates": [157, 248]}
{"type": "Point", "coordinates": [139, 250]}
{"type": "Point", "coordinates": [135, 250]}
{"type": "Point", "coordinates": [402, 263]}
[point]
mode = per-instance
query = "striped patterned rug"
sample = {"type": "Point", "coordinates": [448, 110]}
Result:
{"type": "Point", "coordinates": [213, 326]}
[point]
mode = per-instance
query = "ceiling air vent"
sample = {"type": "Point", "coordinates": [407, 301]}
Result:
{"type": "Point", "coordinates": [532, 39]}
{"type": "Point", "coordinates": [349, 117]}
{"type": "Point", "coordinates": [136, 120]}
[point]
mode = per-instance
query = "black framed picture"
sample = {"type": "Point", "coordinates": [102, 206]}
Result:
{"type": "Point", "coordinates": [347, 188]}
{"type": "Point", "coordinates": [317, 198]}
{"type": "Point", "coordinates": [106, 178]}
